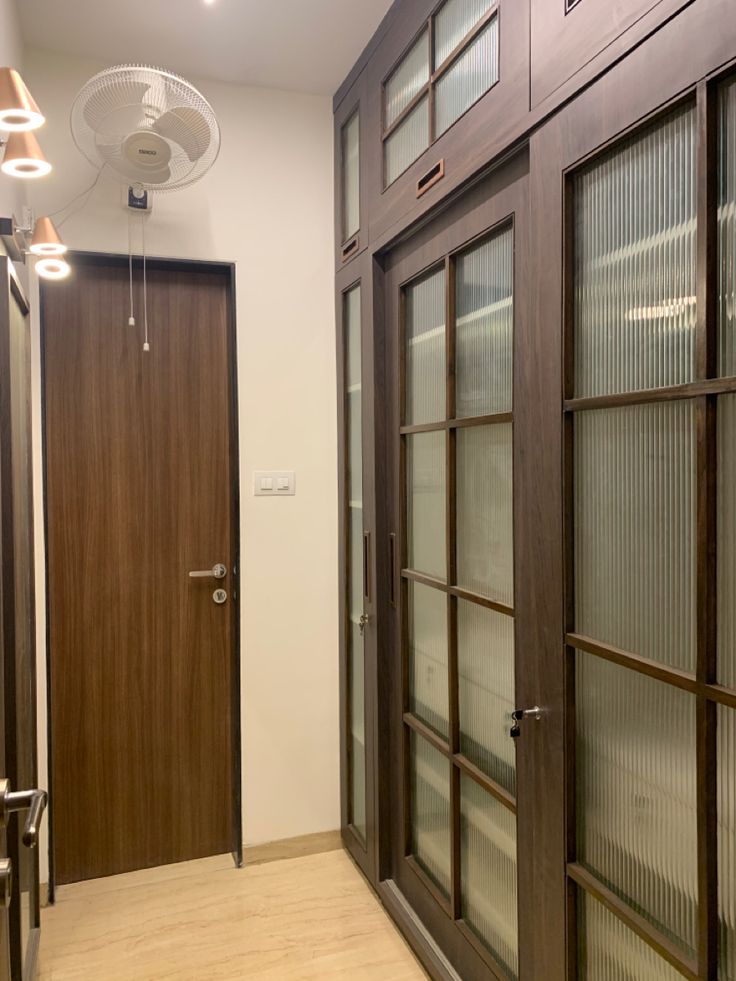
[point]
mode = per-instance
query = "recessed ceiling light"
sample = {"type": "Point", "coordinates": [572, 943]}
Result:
{"type": "Point", "coordinates": [209, 2]}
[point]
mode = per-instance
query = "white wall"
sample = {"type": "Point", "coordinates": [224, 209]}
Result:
{"type": "Point", "coordinates": [266, 205]}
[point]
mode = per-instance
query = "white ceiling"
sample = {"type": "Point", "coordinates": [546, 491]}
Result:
{"type": "Point", "coordinates": [298, 45]}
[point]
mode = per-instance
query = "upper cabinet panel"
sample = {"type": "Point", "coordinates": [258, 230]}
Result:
{"type": "Point", "coordinates": [448, 88]}
{"type": "Point", "coordinates": [351, 231]}
{"type": "Point", "coordinates": [574, 40]}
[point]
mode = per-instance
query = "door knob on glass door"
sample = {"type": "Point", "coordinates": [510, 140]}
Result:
{"type": "Point", "coordinates": [518, 716]}
{"type": "Point", "coordinates": [33, 801]}
{"type": "Point", "coordinates": [218, 571]}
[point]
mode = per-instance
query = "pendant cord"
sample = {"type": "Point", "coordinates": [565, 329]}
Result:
{"type": "Point", "coordinates": [131, 319]}
{"type": "Point", "coordinates": [146, 345]}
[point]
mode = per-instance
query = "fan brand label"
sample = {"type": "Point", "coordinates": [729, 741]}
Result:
{"type": "Point", "coordinates": [148, 153]}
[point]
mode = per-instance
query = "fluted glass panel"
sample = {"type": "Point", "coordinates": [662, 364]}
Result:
{"type": "Point", "coordinates": [727, 840]}
{"type": "Point", "coordinates": [488, 872]}
{"type": "Point", "coordinates": [727, 228]}
{"type": "Point", "coordinates": [635, 262]}
{"type": "Point", "coordinates": [429, 773]}
{"type": "Point", "coordinates": [354, 485]}
{"type": "Point", "coordinates": [609, 951]}
{"type": "Point", "coordinates": [425, 475]}
{"type": "Point", "coordinates": [635, 529]}
{"type": "Point", "coordinates": [636, 793]}
{"type": "Point", "coordinates": [484, 304]}
{"type": "Point", "coordinates": [351, 176]}
{"type": "Point", "coordinates": [407, 80]}
{"type": "Point", "coordinates": [470, 77]}
{"type": "Point", "coordinates": [726, 551]}
{"type": "Point", "coordinates": [407, 142]}
{"type": "Point", "coordinates": [425, 361]}
{"type": "Point", "coordinates": [427, 623]}
{"type": "Point", "coordinates": [453, 21]}
{"type": "Point", "coordinates": [485, 654]}
{"type": "Point", "coordinates": [485, 535]}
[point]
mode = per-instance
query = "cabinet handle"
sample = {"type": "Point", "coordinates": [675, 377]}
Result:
{"type": "Point", "coordinates": [350, 249]}
{"type": "Point", "coordinates": [392, 569]}
{"type": "Point", "coordinates": [367, 565]}
{"type": "Point", "coordinates": [433, 175]}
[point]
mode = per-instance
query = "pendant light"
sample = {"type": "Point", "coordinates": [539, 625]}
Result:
{"type": "Point", "coordinates": [46, 239]}
{"type": "Point", "coordinates": [24, 157]}
{"type": "Point", "coordinates": [18, 109]}
{"type": "Point", "coordinates": [52, 267]}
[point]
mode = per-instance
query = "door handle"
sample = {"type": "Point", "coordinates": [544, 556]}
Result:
{"type": "Point", "coordinates": [33, 801]}
{"type": "Point", "coordinates": [218, 571]}
{"type": "Point", "coordinates": [518, 716]}
{"type": "Point", "coordinates": [6, 882]}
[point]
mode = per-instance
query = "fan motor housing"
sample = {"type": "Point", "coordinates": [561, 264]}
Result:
{"type": "Point", "coordinates": [147, 150]}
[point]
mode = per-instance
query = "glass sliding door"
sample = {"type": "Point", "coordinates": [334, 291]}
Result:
{"type": "Point", "coordinates": [650, 417]}
{"type": "Point", "coordinates": [457, 593]}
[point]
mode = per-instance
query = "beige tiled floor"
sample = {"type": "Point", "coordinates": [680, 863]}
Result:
{"type": "Point", "coordinates": [301, 919]}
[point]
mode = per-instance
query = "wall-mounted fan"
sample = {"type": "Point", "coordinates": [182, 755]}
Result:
{"type": "Point", "coordinates": [147, 126]}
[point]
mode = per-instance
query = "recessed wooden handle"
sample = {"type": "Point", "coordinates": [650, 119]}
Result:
{"type": "Point", "coordinates": [367, 565]}
{"type": "Point", "coordinates": [392, 569]}
{"type": "Point", "coordinates": [433, 175]}
{"type": "Point", "coordinates": [350, 248]}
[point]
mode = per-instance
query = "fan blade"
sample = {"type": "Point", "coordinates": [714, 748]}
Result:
{"type": "Point", "coordinates": [187, 128]}
{"type": "Point", "coordinates": [117, 109]}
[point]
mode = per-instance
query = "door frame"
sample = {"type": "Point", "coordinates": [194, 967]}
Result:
{"type": "Point", "coordinates": [162, 263]}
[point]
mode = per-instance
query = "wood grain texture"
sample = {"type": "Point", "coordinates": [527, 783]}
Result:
{"type": "Point", "coordinates": [139, 487]}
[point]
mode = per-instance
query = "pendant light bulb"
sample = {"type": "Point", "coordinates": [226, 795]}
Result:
{"type": "Point", "coordinates": [18, 110]}
{"type": "Point", "coordinates": [53, 268]}
{"type": "Point", "coordinates": [46, 239]}
{"type": "Point", "coordinates": [24, 157]}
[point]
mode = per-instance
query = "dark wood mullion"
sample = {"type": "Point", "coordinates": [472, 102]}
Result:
{"type": "Point", "coordinates": [429, 884]}
{"type": "Point", "coordinates": [460, 48]}
{"type": "Point", "coordinates": [493, 419]}
{"type": "Point", "coordinates": [424, 427]}
{"type": "Point", "coordinates": [497, 968]}
{"type": "Point", "coordinates": [406, 112]}
{"type": "Point", "coordinates": [706, 347]}
{"type": "Point", "coordinates": [635, 662]}
{"type": "Point", "coordinates": [721, 695]}
{"type": "Point", "coordinates": [645, 930]}
{"type": "Point", "coordinates": [487, 783]}
{"type": "Point", "coordinates": [464, 594]}
{"type": "Point", "coordinates": [691, 390]}
{"type": "Point", "coordinates": [413, 721]}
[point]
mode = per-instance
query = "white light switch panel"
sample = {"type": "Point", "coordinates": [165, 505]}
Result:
{"type": "Point", "coordinates": [274, 483]}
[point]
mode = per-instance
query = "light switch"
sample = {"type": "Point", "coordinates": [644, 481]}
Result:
{"type": "Point", "coordinates": [274, 483]}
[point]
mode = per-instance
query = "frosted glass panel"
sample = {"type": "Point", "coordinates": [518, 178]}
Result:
{"type": "Point", "coordinates": [354, 485]}
{"type": "Point", "coordinates": [609, 951]}
{"type": "Point", "coordinates": [453, 22]}
{"type": "Point", "coordinates": [484, 282]}
{"type": "Point", "coordinates": [429, 773]}
{"type": "Point", "coordinates": [428, 656]}
{"type": "Point", "coordinates": [351, 176]}
{"type": "Point", "coordinates": [472, 75]}
{"type": "Point", "coordinates": [636, 795]}
{"type": "Point", "coordinates": [635, 263]}
{"type": "Point", "coordinates": [407, 142]}
{"type": "Point", "coordinates": [635, 529]}
{"type": "Point", "coordinates": [726, 551]}
{"type": "Point", "coordinates": [426, 374]}
{"type": "Point", "coordinates": [488, 872]}
{"type": "Point", "coordinates": [485, 653]}
{"type": "Point", "coordinates": [485, 555]}
{"type": "Point", "coordinates": [425, 475]}
{"type": "Point", "coordinates": [727, 229]}
{"type": "Point", "coordinates": [727, 839]}
{"type": "Point", "coordinates": [408, 79]}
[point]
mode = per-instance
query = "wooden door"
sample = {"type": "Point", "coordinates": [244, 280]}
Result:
{"type": "Point", "coordinates": [141, 485]}
{"type": "Point", "coordinates": [20, 923]}
{"type": "Point", "coordinates": [461, 792]}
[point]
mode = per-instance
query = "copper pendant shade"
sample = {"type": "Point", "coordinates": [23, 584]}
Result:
{"type": "Point", "coordinates": [46, 239]}
{"type": "Point", "coordinates": [24, 157]}
{"type": "Point", "coordinates": [18, 109]}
